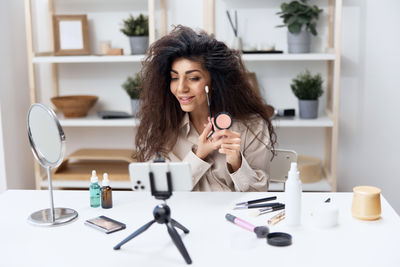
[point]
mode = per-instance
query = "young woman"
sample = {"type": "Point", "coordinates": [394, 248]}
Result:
{"type": "Point", "coordinates": [175, 119]}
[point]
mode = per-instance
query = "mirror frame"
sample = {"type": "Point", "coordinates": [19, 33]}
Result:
{"type": "Point", "coordinates": [36, 152]}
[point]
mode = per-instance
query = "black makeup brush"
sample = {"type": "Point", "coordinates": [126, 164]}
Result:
{"type": "Point", "coordinates": [209, 109]}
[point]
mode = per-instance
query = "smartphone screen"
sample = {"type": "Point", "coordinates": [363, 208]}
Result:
{"type": "Point", "coordinates": [105, 224]}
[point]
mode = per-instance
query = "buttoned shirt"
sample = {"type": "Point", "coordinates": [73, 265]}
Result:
{"type": "Point", "coordinates": [212, 173]}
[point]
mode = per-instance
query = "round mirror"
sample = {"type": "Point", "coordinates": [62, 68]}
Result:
{"type": "Point", "coordinates": [46, 136]}
{"type": "Point", "coordinates": [47, 141]}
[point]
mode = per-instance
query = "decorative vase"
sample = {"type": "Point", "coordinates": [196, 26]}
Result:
{"type": "Point", "coordinates": [299, 42]}
{"type": "Point", "coordinates": [308, 109]}
{"type": "Point", "coordinates": [139, 44]}
{"type": "Point", "coordinates": [135, 105]}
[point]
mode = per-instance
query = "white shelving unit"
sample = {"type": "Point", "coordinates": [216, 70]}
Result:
{"type": "Point", "coordinates": [328, 121]}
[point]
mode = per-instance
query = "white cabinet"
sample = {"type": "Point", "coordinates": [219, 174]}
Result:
{"type": "Point", "coordinates": [103, 75]}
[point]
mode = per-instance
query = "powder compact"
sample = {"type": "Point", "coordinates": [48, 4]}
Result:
{"type": "Point", "coordinates": [223, 120]}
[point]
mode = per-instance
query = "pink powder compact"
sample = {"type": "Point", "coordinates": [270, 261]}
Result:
{"type": "Point", "coordinates": [223, 120]}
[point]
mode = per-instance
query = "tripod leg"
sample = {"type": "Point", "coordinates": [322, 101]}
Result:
{"type": "Point", "coordinates": [178, 242]}
{"type": "Point", "coordinates": [180, 226]}
{"type": "Point", "coordinates": [133, 235]}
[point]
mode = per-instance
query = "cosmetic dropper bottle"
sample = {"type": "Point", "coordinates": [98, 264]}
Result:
{"type": "Point", "coordinates": [106, 193]}
{"type": "Point", "coordinates": [293, 191]}
{"type": "Point", "coordinates": [94, 190]}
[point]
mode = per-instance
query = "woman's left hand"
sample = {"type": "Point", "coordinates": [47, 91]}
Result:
{"type": "Point", "coordinates": [230, 146]}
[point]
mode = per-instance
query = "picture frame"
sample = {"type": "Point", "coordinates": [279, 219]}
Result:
{"type": "Point", "coordinates": [71, 35]}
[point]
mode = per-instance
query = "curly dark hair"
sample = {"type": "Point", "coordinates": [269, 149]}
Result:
{"type": "Point", "coordinates": [161, 114]}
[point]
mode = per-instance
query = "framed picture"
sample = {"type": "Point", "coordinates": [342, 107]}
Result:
{"type": "Point", "coordinates": [71, 35]}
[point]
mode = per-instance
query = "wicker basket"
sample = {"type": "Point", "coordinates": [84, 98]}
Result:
{"type": "Point", "coordinates": [310, 169]}
{"type": "Point", "coordinates": [74, 106]}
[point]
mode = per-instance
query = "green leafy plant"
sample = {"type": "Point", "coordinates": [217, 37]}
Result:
{"type": "Point", "coordinates": [136, 26]}
{"type": "Point", "coordinates": [299, 13]}
{"type": "Point", "coordinates": [132, 86]}
{"type": "Point", "coordinates": [307, 86]}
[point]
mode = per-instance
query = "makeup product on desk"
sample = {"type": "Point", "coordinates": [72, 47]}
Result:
{"type": "Point", "coordinates": [259, 212]}
{"type": "Point", "coordinates": [366, 203]}
{"type": "Point", "coordinates": [325, 215]}
{"type": "Point", "coordinates": [277, 218]}
{"type": "Point", "coordinates": [260, 231]}
{"type": "Point", "coordinates": [279, 239]}
{"type": "Point", "coordinates": [256, 201]}
{"type": "Point", "coordinates": [293, 190]}
{"type": "Point", "coordinates": [105, 224]}
{"type": "Point", "coordinates": [256, 206]}
{"type": "Point", "coordinates": [106, 193]}
{"type": "Point", "coordinates": [94, 190]}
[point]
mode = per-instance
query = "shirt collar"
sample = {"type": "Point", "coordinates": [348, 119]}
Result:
{"type": "Point", "coordinates": [185, 124]}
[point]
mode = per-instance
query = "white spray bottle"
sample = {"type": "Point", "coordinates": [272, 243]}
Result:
{"type": "Point", "coordinates": [293, 191]}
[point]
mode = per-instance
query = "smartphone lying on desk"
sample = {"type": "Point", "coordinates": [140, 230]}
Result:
{"type": "Point", "coordinates": [105, 224]}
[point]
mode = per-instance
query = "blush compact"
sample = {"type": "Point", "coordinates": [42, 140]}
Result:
{"type": "Point", "coordinates": [223, 120]}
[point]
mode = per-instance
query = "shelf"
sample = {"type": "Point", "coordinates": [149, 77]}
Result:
{"type": "Point", "coordinates": [322, 121]}
{"type": "Point", "coordinates": [83, 184]}
{"type": "Point", "coordinates": [94, 121]}
{"type": "Point", "coordinates": [139, 58]}
{"type": "Point", "coordinates": [320, 186]}
{"type": "Point", "coordinates": [86, 59]}
{"type": "Point", "coordinates": [289, 57]}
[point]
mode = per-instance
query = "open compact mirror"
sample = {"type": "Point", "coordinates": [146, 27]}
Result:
{"type": "Point", "coordinates": [47, 141]}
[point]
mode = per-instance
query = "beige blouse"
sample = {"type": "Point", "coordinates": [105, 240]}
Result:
{"type": "Point", "coordinates": [212, 174]}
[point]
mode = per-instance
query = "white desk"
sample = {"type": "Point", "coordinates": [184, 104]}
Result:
{"type": "Point", "coordinates": [212, 240]}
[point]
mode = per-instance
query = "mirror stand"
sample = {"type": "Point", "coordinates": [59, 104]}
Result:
{"type": "Point", "coordinates": [52, 216]}
{"type": "Point", "coordinates": [47, 141]}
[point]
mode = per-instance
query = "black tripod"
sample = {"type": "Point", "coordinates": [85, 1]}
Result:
{"type": "Point", "coordinates": [162, 214]}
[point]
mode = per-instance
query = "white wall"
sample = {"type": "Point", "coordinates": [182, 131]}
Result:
{"type": "Point", "coordinates": [369, 127]}
{"type": "Point", "coordinates": [370, 92]}
{"type": "Point", "coordinates": [3, 181]}
{"type": "Point", "coordinates": [14, 97]}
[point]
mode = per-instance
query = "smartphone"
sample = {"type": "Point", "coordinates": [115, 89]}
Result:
{"type": "Point", "coordinates": [105, 224]}
{"type": "Point", "coordinates": [180, 174]}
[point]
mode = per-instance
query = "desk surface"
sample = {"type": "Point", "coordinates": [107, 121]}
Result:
{"type": "Point", "coordinates": [212, 240]}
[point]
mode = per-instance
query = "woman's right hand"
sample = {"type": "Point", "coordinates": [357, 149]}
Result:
{"type": "Point", "coordinates": [205, 146]}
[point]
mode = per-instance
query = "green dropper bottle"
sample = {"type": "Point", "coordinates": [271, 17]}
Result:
{"type": "Point", "coordinates": [94, 190]}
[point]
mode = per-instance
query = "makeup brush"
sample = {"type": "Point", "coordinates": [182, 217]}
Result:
{"type": "Point", "coordinates": [260, 231]}
{"type": "Point", "coordinates": [209, 109]}
{"type": "Point", "coordinates": [259, 212]}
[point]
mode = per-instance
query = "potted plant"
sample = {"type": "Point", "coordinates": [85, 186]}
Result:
{"type": "Point", "coordinates": [132, 87]}
{"type": "Point", "coordinates": [137, 29]}
{"type": "Point", "coordinates": [307, 88]}
{"type": "Point", "coordinates": [301, 19]}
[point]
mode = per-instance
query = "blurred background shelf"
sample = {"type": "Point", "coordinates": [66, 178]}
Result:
{"type": "Point", "coordinates": [94, 121]}
{"type": "Point", "coordinates": [139, 58]}
{"type": "Point", "coordinates": [76, 75]}
{"type": "Point", "coordinates": [289, 57]}
{"type": "Point", "coordinates": [86, 59]}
